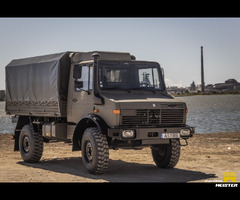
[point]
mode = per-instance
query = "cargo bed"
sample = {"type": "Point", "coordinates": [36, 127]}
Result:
{"type": "Point", "coordinates": [38, 86]}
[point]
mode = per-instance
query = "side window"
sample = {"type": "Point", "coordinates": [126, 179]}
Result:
{"type": "Point", "coordinates": [91, 77]}
{"type": "Point", "coordinates": [84, 78]}
{"type": "Point", "coordinates": [84, 81]}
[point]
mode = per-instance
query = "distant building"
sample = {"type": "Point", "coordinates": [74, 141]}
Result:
{"type": "Point", "coordinates": [209, 88]}
{"type": "Point", "coordinates": [175, 90]}
{"type": "Point", "coordinates": [232, 81]}
{"type": "Point", "coordinates": [229, 85]}
{"type": "Point", "coordinates": [192, 87]}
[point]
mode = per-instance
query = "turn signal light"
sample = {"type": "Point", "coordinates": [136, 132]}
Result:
{"type": "Point", "coordinates": [116, 112]}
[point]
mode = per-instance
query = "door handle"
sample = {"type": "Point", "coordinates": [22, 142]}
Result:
{"type": "Point", "coordinates": [74, 100]}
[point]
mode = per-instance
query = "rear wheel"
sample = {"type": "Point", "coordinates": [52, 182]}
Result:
{"type": "Point", "coordinates": [166, 155]}
{"type": "Point", "coordinates": [31, 144]}
{"type": "Point", "coordinates": [95, 151]}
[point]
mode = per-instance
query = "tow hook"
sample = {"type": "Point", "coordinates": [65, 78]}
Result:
{"type": "Point", "coordinates": [186, 142]}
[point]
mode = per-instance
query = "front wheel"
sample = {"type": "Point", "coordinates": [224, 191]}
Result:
{"type": "Point", "coordinates": [95, 151]}
{"type": "Point", "coordinates": [166, 155]}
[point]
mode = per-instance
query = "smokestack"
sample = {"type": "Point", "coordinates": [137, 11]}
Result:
{"type": "Point", "coordinates": [202, 71]}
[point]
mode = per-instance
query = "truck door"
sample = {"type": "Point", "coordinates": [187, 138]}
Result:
{"type": "Point", "coordinates": [82, 101]}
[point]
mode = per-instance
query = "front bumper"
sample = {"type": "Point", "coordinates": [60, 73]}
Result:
{"type": "Point", "coordinates": [153, 135]}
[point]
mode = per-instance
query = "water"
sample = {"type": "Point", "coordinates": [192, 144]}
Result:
{"type": "Point", "coordinates": [213, 113]}
{"type": "Point", "coordinates": [6, 125]}
{"type": "Point", "coordinates": [209, 114]}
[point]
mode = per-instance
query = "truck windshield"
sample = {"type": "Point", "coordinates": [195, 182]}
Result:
{"type": "Point", "coordinates": [130, 75]}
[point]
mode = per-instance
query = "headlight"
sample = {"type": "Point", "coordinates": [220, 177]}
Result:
{"type": "Point", "coordinates": [128, 133]}
{"type": "Point", "coordinates": [185, 132]}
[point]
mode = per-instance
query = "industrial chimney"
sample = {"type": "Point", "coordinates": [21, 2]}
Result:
{"type": "Point", "coordinates": [202, 71]}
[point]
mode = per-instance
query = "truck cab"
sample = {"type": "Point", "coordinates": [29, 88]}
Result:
{"type": "Point", "coordinates": [113, 101]}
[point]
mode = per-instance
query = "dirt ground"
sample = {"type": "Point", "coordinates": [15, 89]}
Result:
{"type": "Point", "coordinates": [205, 159]}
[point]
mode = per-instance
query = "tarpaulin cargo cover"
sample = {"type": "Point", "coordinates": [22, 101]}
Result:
{"type": "Point", "coordinates": [38, 86]}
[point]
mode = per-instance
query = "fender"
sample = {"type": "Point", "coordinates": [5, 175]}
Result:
{"type": "Point", "coordinates": [91, 120]}
{"type": "Point", "coordinates": [100, 123]}
{"type": "Point", "coordinates": [22, 121]}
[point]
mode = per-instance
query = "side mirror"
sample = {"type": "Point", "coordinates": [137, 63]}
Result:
{"type": "Point", "coordinates": [78, 84]}
{"type": "Point", "coordinates": [77, 71]}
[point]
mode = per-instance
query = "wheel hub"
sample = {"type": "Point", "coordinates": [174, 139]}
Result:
{"type": "Point", "coordinates": [89, 151]}
{"type": "Point", "coordinates": [26, 144]}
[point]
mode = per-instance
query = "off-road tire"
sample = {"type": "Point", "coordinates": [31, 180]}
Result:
{"type": "Point", "coordinates": [166, 155]}
{"type": "Point", "coordinates": [31, 144]}
{"type": "Point", "coordinates": [95, 151]}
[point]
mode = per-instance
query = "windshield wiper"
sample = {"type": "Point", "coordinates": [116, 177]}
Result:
{"type": "Point", "coordinates": [143, 89]}
{"type": "Point", "coordinates": [117, 88]}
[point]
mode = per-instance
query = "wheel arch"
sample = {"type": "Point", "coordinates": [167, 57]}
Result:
{"type": "Point", "coordinates": [91, 120]}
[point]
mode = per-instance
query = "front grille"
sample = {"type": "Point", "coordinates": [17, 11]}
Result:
{"type": "Point", "coordinates": [152, 117]}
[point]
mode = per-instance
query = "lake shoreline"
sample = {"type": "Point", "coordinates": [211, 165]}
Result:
{"type": "Point", "coordinates": [205, 94]}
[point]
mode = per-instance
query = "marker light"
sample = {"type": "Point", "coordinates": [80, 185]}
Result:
{"type": "Point", "coordinates": [116, 112]}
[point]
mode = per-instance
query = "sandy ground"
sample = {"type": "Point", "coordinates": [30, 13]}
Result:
{"type": "Point", "coordinates": [205, 159]}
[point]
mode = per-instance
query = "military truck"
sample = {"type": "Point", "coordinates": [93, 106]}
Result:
{"type": "Point", "coordinates": [95, 100]}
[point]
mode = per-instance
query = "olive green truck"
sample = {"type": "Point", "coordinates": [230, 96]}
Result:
{"type": "Point", "coordinates": [97, 100]}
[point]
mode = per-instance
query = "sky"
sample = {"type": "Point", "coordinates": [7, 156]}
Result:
{"type": "Point", "coordinates": [172, 42]}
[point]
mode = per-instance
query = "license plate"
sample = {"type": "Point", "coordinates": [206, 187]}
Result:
{"type": "Point", "coordinates": [170, 135]}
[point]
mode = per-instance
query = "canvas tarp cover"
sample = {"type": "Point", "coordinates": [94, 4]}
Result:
{"type": "Point", "coordinates": [38, 85]}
